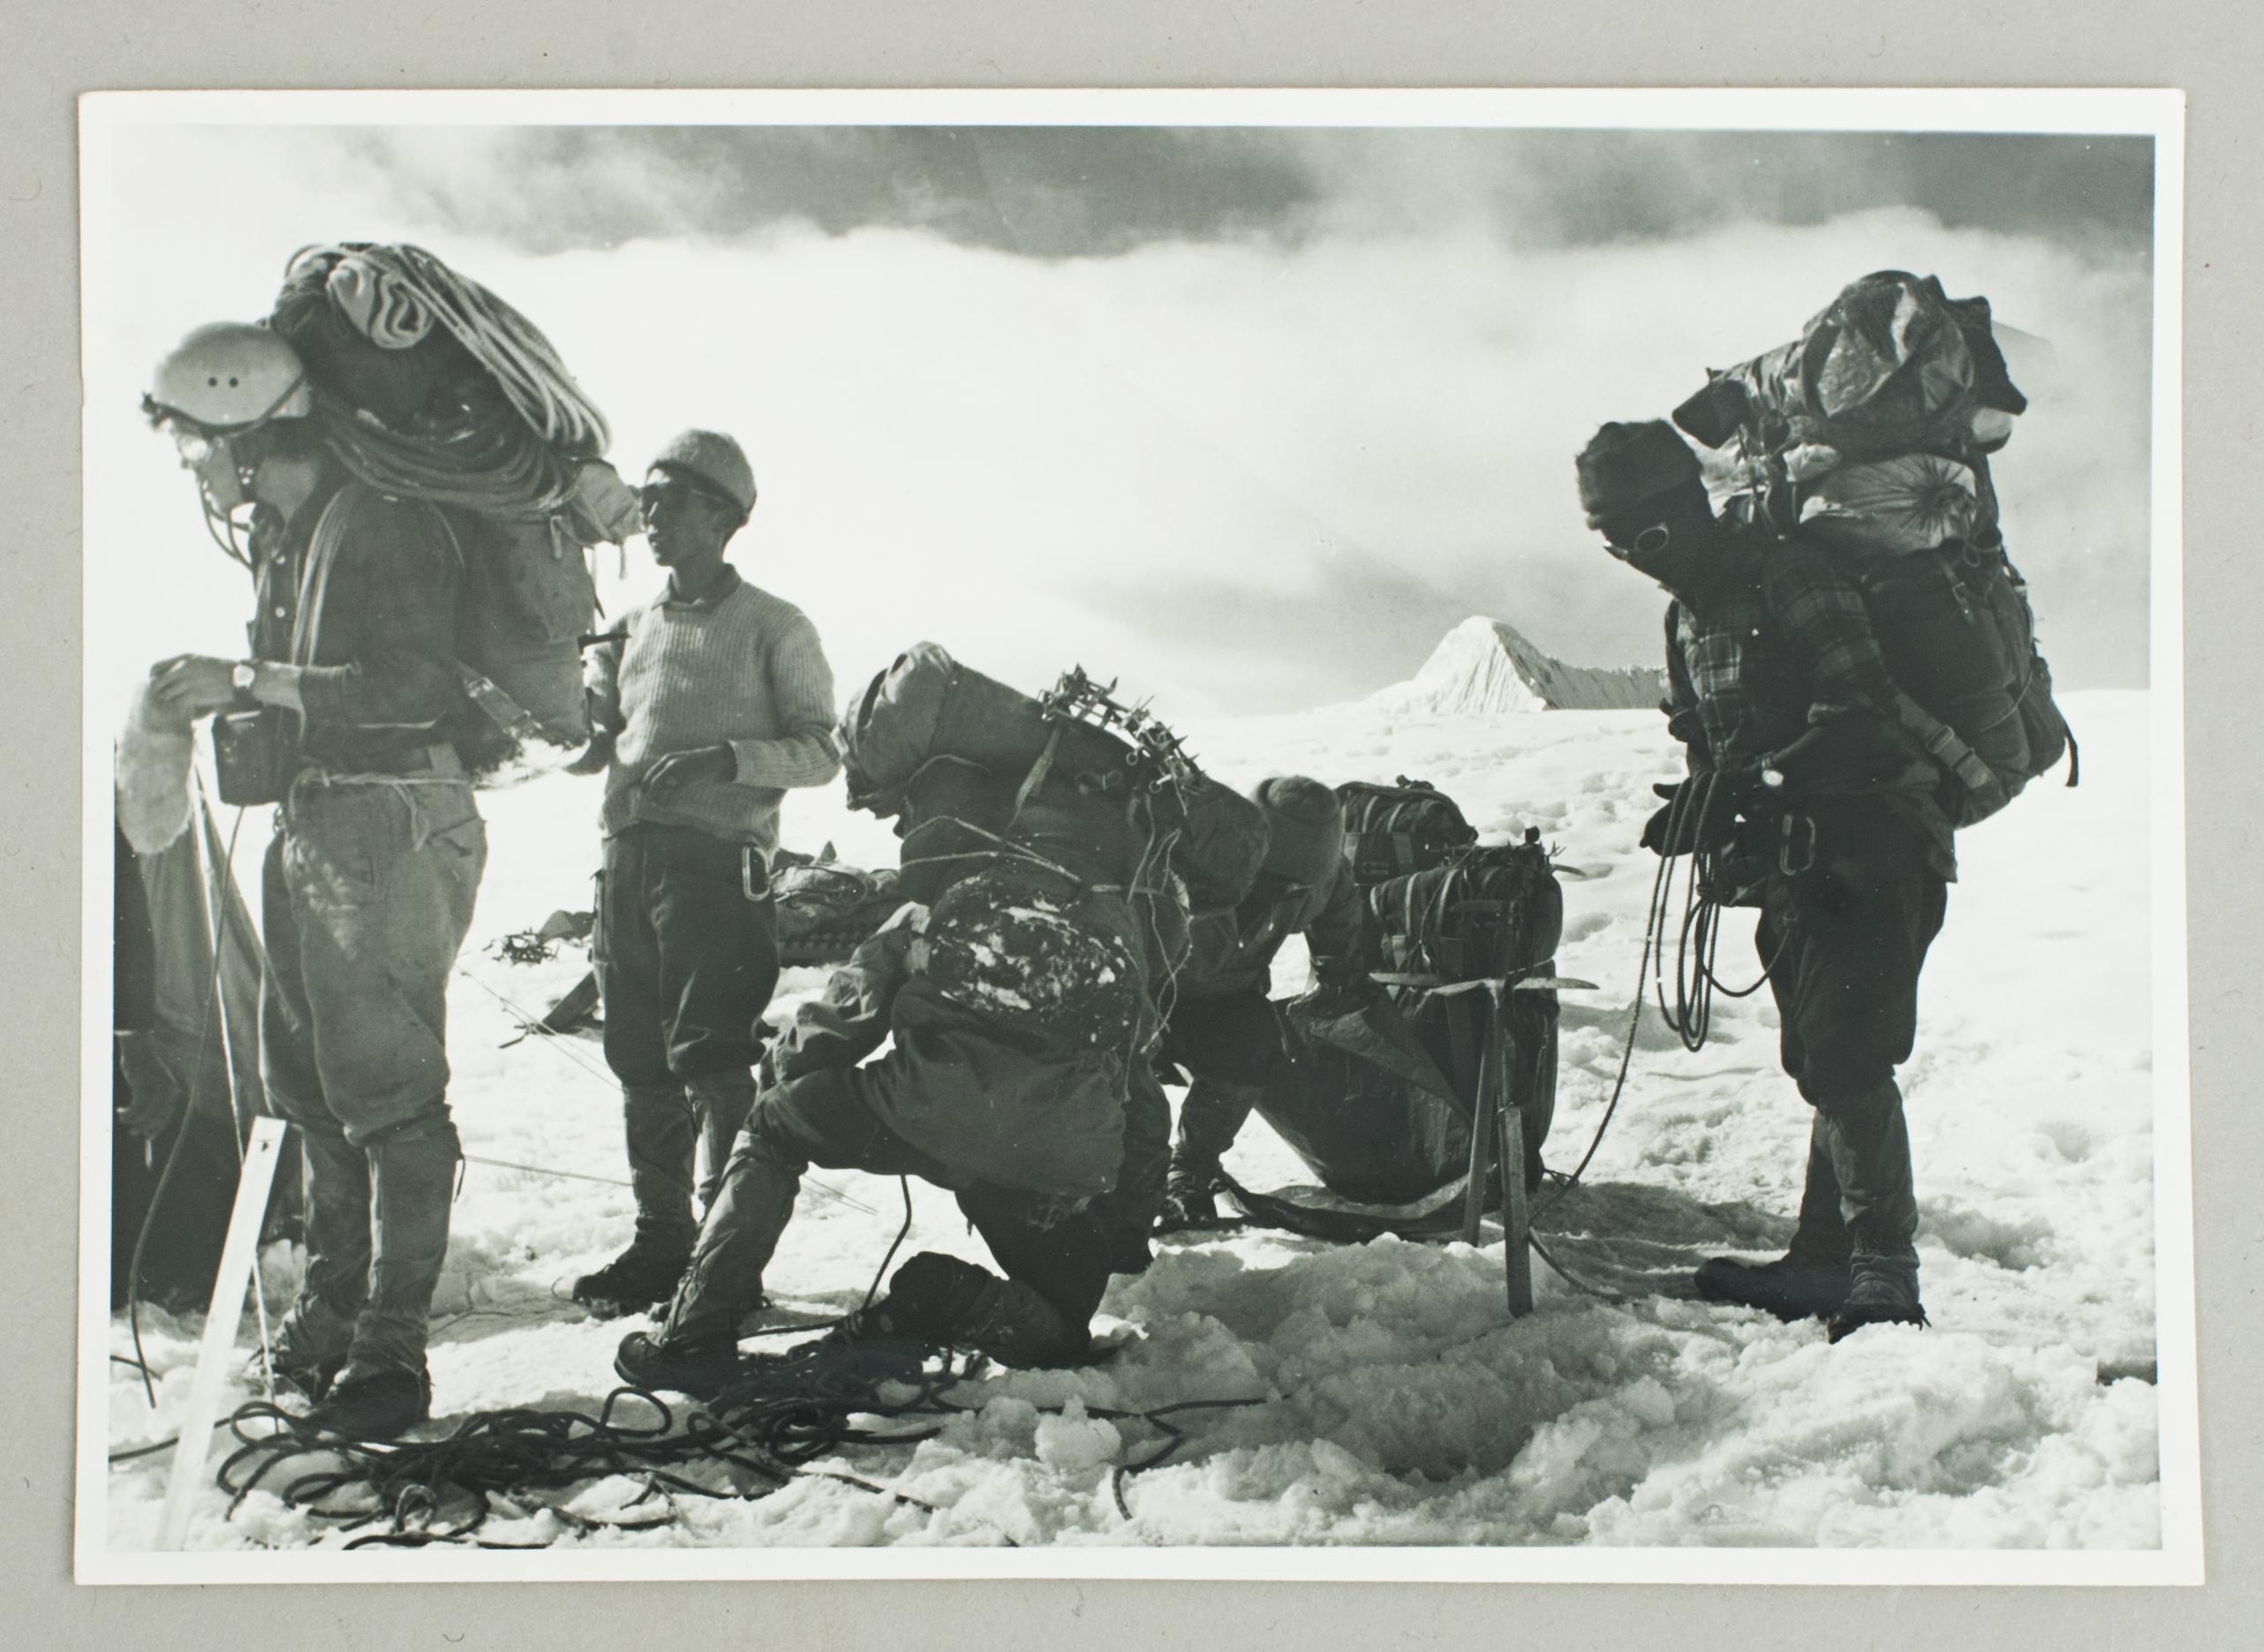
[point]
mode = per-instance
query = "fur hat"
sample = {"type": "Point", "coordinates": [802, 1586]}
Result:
{"type": "Point", "coordinates": [1305, 827]}
{"type": "Point", "coordinates": [1625, 465]}
{"type": "Point", "coordinates": [712, 457]}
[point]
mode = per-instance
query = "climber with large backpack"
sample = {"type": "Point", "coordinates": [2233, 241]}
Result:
{"type": "Point", "coordinates": [1855, 677]}
{"type": "Point", "coordinates": [1824, 788]}
{"type": "Point", "coordinates": [396, 434]}
{"type": "Point", "coordinates": [1813, 802]}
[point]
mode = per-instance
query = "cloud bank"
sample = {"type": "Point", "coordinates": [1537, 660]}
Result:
{"type": "Point", "coordinates": [1248, 420]}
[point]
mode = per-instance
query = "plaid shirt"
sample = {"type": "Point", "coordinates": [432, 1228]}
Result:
{"type": "Point", "coordinates": [1784, 646]}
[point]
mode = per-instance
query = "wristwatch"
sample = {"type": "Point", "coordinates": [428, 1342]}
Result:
{"type": "Point", "coordinates": [241, 679]}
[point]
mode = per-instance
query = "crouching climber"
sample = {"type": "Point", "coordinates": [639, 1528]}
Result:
{"type": "Point", "coordinates": [1013, 1004]}
{"type": "Point", "coordinates": [1221, 1027]}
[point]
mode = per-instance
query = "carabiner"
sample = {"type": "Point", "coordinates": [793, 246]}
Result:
{"type": "Point", "coordinates": [1796, 833]}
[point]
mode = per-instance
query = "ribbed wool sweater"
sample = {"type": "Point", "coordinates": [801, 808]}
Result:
{"type": "Point", "coordinates": [738, 668]}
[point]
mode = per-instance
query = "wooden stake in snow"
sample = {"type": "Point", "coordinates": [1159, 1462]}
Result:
{"type": "Point", "coordinates": [260, 1156]}
{"type": "Point", "coordinates": [1497, 1137]}
{"type": "Point", "coordinates": [1516, 1214]}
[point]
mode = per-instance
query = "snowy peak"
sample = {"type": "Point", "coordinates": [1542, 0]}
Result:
{"type": "Point", "coordinates": [1484, 666]}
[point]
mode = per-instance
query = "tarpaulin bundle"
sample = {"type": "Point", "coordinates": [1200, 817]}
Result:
{"type": "Point", "coordinates": [1891, 369]}
{"type": "Point", "coordinates": [428, 386]}
{"type": "Point", "coordinates": [396, 296]}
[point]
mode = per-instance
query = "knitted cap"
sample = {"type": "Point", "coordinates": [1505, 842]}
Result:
{"type": "Point", "coordinates": [1623, 466]}
{"type": "Point", "coordinates": [1305, 827]}
{"type": "Point", "coordinates": [714, 458]}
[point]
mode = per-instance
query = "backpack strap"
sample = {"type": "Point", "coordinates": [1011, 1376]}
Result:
{"type": "Point", "coordinates": [1036, 778]}
{"type": "Point", "coordinates": [1963, 763]}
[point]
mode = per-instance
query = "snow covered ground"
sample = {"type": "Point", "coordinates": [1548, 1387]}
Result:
{"type": "Point", "coordinates": [1399, 1403]}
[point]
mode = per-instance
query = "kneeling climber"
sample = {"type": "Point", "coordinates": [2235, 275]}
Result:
{"type": "Point", "coordinates": [1013, 1003]}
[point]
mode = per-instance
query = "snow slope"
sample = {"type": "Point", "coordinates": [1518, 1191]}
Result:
{"type": "Point", "coordinates": [1483, 665]}
{"type": "Point", "coordinates": [1399, 1403]}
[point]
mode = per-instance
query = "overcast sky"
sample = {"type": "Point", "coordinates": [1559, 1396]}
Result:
{"type": "Point", "coordinates": [1249, 418]}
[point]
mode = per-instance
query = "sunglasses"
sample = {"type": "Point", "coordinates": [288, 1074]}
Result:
{"type": "Point", "coordinates": [197, 443]}
{"type": "Point", "coordinates": [677, 489]}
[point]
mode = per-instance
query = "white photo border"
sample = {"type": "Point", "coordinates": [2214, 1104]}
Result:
{"type": "Point", "coordinates": [2158, 114]}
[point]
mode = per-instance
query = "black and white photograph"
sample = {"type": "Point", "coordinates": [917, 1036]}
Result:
{"type": "Point", "coordinates": [1300, 834]}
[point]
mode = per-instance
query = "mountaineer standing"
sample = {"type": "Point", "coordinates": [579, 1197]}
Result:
{"type": "Point", "coordinates": [1855, 677]}
{"type": "Point", "coordinates": [1773, 666]}
{"type": "Point", "coordinates": [351, 715]}
{"type": "Point", "coordinates": [714, 700]}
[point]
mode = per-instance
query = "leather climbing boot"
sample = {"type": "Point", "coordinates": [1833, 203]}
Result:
{"type": "Point", "coordinates": [1810, 1280]}
{"type": "Point", "coordinates": [1210, 1118]}
{"type": "Point", "coordinates": [945, 1302]}
{"type": "Point", "coordinates": [1188, 1201]}
{"type": "Point", "coordinates": [412, 1184]}
{"type": "Point", "coordinates": [1870, 1154]}
{"type": "Point", "coordinates": [382, 1404]}
{"type": "Point", "coordinates": [641, 1279]}
{"type": "Point", "coordinates": [701, 1369]}
{"type": "Point", "coordinates": [312, 1341]}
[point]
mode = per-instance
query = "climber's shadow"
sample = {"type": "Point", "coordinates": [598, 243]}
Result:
{"type": "Point", "coordinates": [1641, 1240]}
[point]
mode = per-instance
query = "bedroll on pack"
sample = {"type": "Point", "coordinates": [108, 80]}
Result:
{"type": "Point", "coordinates": [1064, 779]}
{"type": "Point", "coordinates": [1390, 831]}
{"type": "Point", "coordinates": [1891, 366]}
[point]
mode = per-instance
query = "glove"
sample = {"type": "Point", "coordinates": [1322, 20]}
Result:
{"type": "Point", "coordinates": [1699, 817]}
{"type": "Point", "coordinates": [1347, 996]}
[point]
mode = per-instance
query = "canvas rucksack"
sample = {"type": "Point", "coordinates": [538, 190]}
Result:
{"type": "Point", "coordinates": [529, 600]}
{"type": "Point", "coordinates": [1959, 638]}
{"type": "Point", "coordinates": [1390, 831]}
{"type": "Point", "coordinates": [1869, 435]}
{"type": "Point", "coordinates": [1493, 913]}
{"type": "Point", "coordinates": [1126, 801]}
